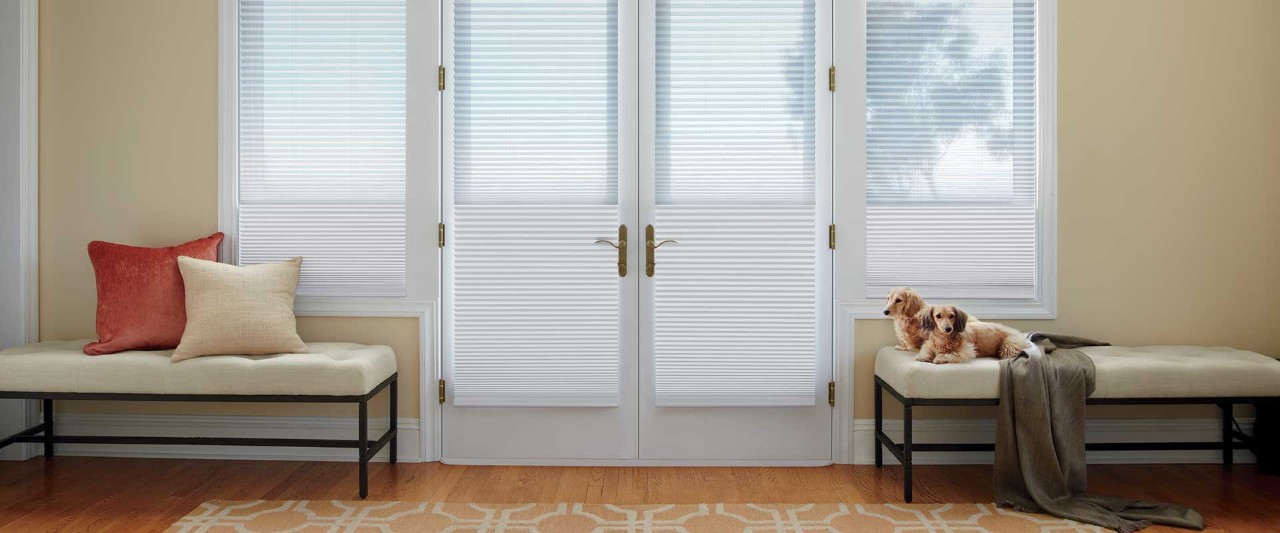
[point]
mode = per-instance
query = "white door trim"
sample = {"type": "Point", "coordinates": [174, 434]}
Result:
{"type": "Point", "coordinates": [29, 162]}
{"type": "Point", "coordinates": [29, 184]}
{"type": "Point", "coordinates": [25, 299]}
{"type": "Point", "coordinates": [843, 431]}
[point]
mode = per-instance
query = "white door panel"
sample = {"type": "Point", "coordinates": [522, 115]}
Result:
{"type": "Point", "coordinates": [539, 163]}
{"type": "Point", "coordinates": [735, 165]}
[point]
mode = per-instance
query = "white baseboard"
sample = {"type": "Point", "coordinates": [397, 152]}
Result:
{"type": "Point", "coordinates": [1106, 430]}
{"type": "Point", "coordinates": [636, 462]}
{"type": "Point", "coordinates": [927, 430]}
{"type": "Point", "coordinates": [408, 438]}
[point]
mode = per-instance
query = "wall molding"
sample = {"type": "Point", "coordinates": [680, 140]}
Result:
{"type": "Point", "coordinates": [1098, 430]}
{"type": "Point", "coordinates": [410, 450]}
{"type": "Point", "coordinates": [29, 163]}
{"type": "Point", "coordinates": [29, 187]}
{"type": "Point", "coordinates": [428, 359]}
{"type": "Point", "coordinates": [843, 427]}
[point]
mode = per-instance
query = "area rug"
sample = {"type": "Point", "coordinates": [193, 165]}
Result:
{"type": "Point", "coordinates": [304, 516]}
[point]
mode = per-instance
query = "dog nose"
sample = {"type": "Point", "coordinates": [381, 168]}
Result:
{"type": "Point", "coordinates": [886, 312]}
{"type": "Point", "coordinates": [948, 330]}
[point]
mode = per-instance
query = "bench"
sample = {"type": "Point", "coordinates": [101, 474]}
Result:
{"type": "Point", "coordinates": [331, 373]}
{"type": "Point", "coordinates": [1151, 375]}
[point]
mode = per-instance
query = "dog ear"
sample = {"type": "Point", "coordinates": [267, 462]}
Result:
{"type": "Point", "coordinates": [913, 300]}
{"type": "Point", "coordinates": [925, 316]}
{"type": "Point", "coordinates": [961, 319]}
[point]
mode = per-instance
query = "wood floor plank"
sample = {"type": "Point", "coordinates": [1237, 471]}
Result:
{"type": "Point", "coordinates": [137, 495]}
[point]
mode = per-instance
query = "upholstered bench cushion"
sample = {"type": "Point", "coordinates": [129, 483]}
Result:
{"type": "Point", "coordinates": [331, 369]}
{"type": "Point", "coordinates": [1122, 372]}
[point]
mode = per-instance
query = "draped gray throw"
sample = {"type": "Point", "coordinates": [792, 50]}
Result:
{"type": "Point", "coordinates": [1040, 455]}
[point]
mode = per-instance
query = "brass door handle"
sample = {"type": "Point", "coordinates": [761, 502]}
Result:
{"type": "Point", "coordinates": [650, 246]}
{"type": "Point", "coordinates": [621, 247]}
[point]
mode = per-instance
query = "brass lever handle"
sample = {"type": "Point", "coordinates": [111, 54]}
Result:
{"type": "Point", "coordinates": [650, 246]}
{"type": "Point", "coordinates": [621, 247]}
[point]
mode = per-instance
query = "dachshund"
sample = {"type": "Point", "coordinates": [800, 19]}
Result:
{"type": "Point", "coordinates": [903, 304]}
{"type": "Point", "coordinates": [954, 338]}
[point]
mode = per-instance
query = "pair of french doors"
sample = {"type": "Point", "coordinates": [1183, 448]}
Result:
{"type": "Point", "coordinates": [636, 197]}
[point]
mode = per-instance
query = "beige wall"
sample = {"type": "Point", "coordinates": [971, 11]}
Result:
{"type": "Point", "coordinates": [1169, 148]}
{"type": "Point", "coordinates": [128, 153]}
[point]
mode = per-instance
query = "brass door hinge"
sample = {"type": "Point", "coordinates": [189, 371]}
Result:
{"type": "Point", "coordinates": [442, 392]}
{"type": "Point", "coordinates": [440, 234]}
{"type": "Point", "coordinates": [831, 393]}
{"type": "Point", "coordinates": [831, 78]}
{"type": "Point", "coordinates": [440, 78]}
{"type": "Point", "coordinates": [831, 236]}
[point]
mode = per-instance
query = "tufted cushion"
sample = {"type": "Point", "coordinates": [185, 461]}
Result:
{"type": "Point", "coordinates": [331, 369]}
{"type": "Point", "coordinates": [1122, 372]}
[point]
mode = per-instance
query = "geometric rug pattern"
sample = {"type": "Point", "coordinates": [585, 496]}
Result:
{"type": "Point", "coordinates": [308, 516]}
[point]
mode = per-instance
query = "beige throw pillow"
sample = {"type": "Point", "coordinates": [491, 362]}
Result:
{"type": "Point", "coordinates": [239, 310]}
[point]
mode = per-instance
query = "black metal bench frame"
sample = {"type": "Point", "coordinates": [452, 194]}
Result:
{"type": "Point", "coordinates": [1232, 439]}
{"type": "Point", "coordinates": [43, 432]}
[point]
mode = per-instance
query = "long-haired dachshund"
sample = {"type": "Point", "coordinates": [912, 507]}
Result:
{"type": "Point", "coordinates": [903, 304]}
{"type": "Point", "coordinates": [953, 338]}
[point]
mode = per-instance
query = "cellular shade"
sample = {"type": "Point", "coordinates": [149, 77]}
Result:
{"type": "Point", "coordinates": [322, 142]}
{"type": "Point", "coordinates": [535, 301]}
{"type": "Point", "coordinates": [951, 147]}
{"type": "Point", "coordinates": [735, 299]}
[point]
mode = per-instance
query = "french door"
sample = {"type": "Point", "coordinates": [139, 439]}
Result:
{"type": "Point", "coordinates": [636, 201]}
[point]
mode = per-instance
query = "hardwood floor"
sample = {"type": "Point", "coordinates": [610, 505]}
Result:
{"type": "Point", "coordinates": [135, 495]}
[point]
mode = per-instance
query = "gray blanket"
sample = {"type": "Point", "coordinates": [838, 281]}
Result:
{"type": "Point", "coordinates": [1040, 456]}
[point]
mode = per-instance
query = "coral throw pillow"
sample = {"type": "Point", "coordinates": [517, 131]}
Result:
{"type": "Point", "coordinates": [239, 310]}
{"type": "Point", "coordinates": [141, 302]}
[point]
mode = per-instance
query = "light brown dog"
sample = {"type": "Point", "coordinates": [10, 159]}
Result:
{"type": "Point", "coordinates": [953, 338]}
{"type": "Point", "coordinates": [903, 304]}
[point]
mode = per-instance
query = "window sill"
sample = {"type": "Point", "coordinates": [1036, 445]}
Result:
{"type": "Point", "coordinates": [356, 307]}
{"type": "Point", "coordinates": [987, 309]}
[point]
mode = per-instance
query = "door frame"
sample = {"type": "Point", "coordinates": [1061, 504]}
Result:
{"type": "Point", "coordinates": [845, 116]}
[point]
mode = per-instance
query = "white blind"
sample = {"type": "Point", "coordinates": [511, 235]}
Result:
{"type": "Point", "coordinates": [535, 302]}
{"type": "Point", "coordinates": [322, 142]}
{"type": "Point", "coordinates": [951, 147]}
{"type": "Point", "coordinates": [735, 301]}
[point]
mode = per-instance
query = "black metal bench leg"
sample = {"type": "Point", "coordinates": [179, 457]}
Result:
{"type": "Point", "coordinates": [879, 424]}
{"type": "Point", "coordinates": [47, 407]}
{"type": "Point", "coordinates": [395, 397]}
{"type": "Point", "coordinates": [364, 448]}
{"type": "Point", "coordinates": [1228, 420]}
{"type": "Point", "coordinates": [906, 452]}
